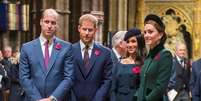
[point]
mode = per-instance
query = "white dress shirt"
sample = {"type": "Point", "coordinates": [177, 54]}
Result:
{"type": "Point", "coordinates": [82, 46]}
{"type": "Point", "coordinates": [42, 42]}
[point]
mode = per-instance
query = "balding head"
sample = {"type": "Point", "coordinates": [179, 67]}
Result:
{"type": "Point", "coordinates": [50, 12]}
{"type": "Point", "coordinates": [119, 36]}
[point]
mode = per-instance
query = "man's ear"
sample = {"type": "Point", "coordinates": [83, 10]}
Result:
{"type": "Point", "coordinates": [78, 28]}
{"type": "Point", "coordinates": [120, 43]}
{"type": "Point", "coordinates": [96, 29]}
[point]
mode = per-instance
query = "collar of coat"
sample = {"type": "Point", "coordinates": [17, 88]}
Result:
{"type": "Point", "coordinates": [156, 50]}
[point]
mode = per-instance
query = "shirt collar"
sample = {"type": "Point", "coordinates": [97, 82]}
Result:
{"type": "Point", "coordinates": [178, 58]}
{"type": "Point", "coordinates": [116, 53]}
{"type": "Point", "coordinates": [43, 40]}
{"type": "Point", "coordinates": [82, 45]}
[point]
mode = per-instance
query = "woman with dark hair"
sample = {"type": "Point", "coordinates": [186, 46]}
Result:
{"type": "Point", "coordinates": [156, 70]}
{"type": "Point", "coordinates": [126, 73]}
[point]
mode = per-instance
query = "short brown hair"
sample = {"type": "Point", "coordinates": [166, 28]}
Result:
{"type": "Point", "coordinates": [88, 17]}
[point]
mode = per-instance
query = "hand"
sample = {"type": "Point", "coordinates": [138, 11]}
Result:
{"type": "Point", "coordinates": [45, 99]}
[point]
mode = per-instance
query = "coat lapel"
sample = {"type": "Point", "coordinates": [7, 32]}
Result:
{"type": "Point", "coordinates": [39, 53]}
{"type": "Point", "coordinates": [79, 60]}
{"type": "Point", "coordinates": [147, 66]}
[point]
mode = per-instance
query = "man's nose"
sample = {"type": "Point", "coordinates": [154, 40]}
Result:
{"type": "Point", "coordinates": [49, 25]}
{"type": "Point", "coordinates": [87, 31]}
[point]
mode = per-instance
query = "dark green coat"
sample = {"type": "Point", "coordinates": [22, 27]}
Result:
{"type": "Point", "coordinates": [155, 75]}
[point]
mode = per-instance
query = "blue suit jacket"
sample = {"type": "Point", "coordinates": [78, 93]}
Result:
{"type": "Point", "coordinates": [196, 92]}
{"type": "Point", "coordinates": [41, 83]}
{"type": "Point", "coordinates": [114, 57]}
{"type": "Point", "coordinates": [195, 83]}
{"type": "Point", "coordinates": [196, 68]}
{"type": "Point", "coordinates": [94, 85]}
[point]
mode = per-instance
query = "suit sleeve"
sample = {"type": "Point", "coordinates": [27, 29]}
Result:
{"type": "Point", "coordinates": [106, 83]}
{"type": "Point", "coordinates": [67, 82]}
{"type": "Point", "coordinates": [25, 77]}
{"type": "Point", "coordinates": [196, 90]}
{"type": "Point", "coordinates": [165, 66]}
{"type": "Point", "coordinates": [172, 81]}
{"type": "Point", "coordinates": [193, 77]}
{"type": "Point", "coordinates": [114, 83]}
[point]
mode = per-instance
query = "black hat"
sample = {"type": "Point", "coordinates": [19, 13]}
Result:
{"type": "Point", "coordinates": [155, 18]}
{"type": "Point", "coordinates": [132, 32]}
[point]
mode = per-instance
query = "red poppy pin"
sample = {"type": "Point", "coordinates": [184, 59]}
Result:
{"type": "Point", "coordinates": [136, 70]}
{"type": "Point", "coordinates": [97, 52]}
{"type": "Point", "coordinates": [157, 57]}
{"type": "Point", "coordinates": [58, 46]}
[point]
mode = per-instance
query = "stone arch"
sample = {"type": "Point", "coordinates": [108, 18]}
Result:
{"type": "Point", "coordinates": [185, 19]}
{"type": "Point", "coordinates": [178, 28]}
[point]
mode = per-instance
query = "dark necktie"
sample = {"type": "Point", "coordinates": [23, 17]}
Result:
{"type": "Point", "coordinates": [46, 54]}
{"type": "Point", "coordinates": [86, 59]}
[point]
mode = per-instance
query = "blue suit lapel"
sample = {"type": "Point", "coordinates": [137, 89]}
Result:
{"type": "Point", "coordinates": [39, 54]}
{"type": "Point", "coordinates": [53, 55]}
{"type": "Point", "coordinates": [79, 59]}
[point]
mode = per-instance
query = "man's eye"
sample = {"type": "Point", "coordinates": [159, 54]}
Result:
{"type": "Point", "coordinates": [53, 23]}
{"type": "Point", "coordinates": [85, 29]}
{"type": "Point", "coordinates": [88, 29]}
{"type": "Point", "coordinates": [46, 21]}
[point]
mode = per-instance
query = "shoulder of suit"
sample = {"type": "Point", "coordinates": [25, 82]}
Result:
{"type": "Point", "coordinates": [102, 47]}
{"type": "Point", "coordinates": [74, 44]}
{"type": "Point", "coordinates": [30, 43]}
{"type": "Point", "coordinates": [196, 62]}
{"type": "Point", "coordinates": [62, 41]}
{"type": "Point", "coordinates": [199, 60]}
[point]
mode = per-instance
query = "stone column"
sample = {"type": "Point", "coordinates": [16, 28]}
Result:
{"type": "Point", "coordinates": [36, 9]}
{"type": "Point", "coordinates": [97, 10]}
{"type": "Point", "coordinates": [99, 33]}
{"type": "Point", "coordinates": [86, 6]}
{"type": "Point", "coordinates": [122, 15]}
{"type": "Point", "coordinates": [140, 13]}
{"type": "Point", "coordinates": [132, 6]}
{"type": "Point", "coordinates": [97, 5]}
{"type": "Point", "coordinates": [197, 34]}
{"type": "Point", "coordinates": [62, 7]}
{"type": "Point", "coordinates": [113, 18]}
